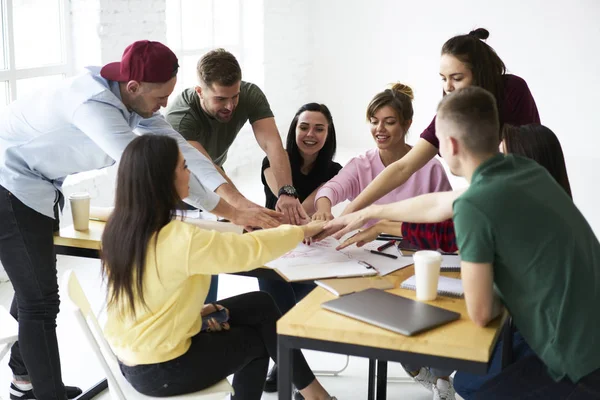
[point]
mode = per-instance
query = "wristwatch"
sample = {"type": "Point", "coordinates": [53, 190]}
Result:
{"type": "Point", "coordinates": [288, 190]}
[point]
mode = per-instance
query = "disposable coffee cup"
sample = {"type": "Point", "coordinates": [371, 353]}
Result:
{"type": "Point", "coordinates": [80, 209]}
{"type": "Point", "coordinates": [427, 272]}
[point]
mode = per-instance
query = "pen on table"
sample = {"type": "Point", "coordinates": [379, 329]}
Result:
{"type": "Point", "coordinates": [382, 254]}
{"type": "Point", "coordinates": [387, 245]}
{"type": "Point", "coordinates": [385, 236]}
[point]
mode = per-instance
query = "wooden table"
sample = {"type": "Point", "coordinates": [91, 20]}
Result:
{"type": "Point", "coordinates": [459, 345]}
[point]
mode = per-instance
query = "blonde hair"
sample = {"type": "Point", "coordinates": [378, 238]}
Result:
{"type": "Point", "coordinates": [399, 96]}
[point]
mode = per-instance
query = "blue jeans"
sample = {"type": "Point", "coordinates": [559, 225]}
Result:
{"type": "Point", "coordinates": [528, 379]}
{"type": "Point", "coordinates": [211, 297]}
{"type": "Point", "coordinates": [285, 294]}
{"type": "Point", "coordinates": [467, 385]}
{"type": "Point", "coordinates": [27, 254]}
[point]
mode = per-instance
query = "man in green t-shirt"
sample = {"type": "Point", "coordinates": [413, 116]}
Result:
{"type": "Point", "coordinates": [211, 115]}
{"type": "Point", "coordinates": [524, 245]}
{"type": "Point", "coordinates": [518, 231]}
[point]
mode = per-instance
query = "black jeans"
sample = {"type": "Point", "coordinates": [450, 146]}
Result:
{"type": "Point", "coordinates": [285, 294]}
{"type": "Point", "coordinates": [244, 351]}
{"type": "Point", "coordinates": [27, 254]}
{"type": "Point", "coordinates": [528, 379]}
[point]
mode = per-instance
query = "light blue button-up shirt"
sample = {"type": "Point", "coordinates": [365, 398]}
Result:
{"type": "Point", "coordinates": [77, 125]}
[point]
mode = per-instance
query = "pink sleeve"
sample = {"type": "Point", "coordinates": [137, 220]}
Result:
{"type": "Point", "coordinates": [429, 135]}
{"type": "Point", "coordinates": [438, 179]}
{"type": "Point", "coordinates": [345, 185]}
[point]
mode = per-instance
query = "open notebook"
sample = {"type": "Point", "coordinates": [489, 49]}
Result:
{"type": "Point", "coordinates": [450, 262]}
{"type": "Point", "coordinates": [450, 287]}
{"type": "Point", "coordinates": [321, 260]}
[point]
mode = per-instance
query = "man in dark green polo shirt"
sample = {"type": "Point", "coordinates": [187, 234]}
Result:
{"type": "Point", "coordinates": [211, 115]}
{"type": "Point", "coordinates": [518, 231]}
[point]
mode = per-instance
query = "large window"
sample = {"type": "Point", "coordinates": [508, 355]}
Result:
{"type": "Point", "coordinates": [197, 26]}
{"type": "Point", "coordinates": [34, 46]}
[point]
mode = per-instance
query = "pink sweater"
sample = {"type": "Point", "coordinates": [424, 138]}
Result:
{"type": "Point", "coordinates": [361, 170]}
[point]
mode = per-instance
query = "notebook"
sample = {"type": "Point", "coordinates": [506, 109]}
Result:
{"type": "Point", "coordinates": [450, 262]}
{"type": "Point", "coordinates": [450, 287]}
{"type": "Point", "coordinates": [321, 260]}
{"type": "Point", "coordinates": [341, 287]}
{"type": "Point", "coordinates": [391, 312]}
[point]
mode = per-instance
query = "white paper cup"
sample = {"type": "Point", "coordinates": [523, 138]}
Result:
{"type": "Point", "coordinates": [80, 209]}
{"type": "Point", "coordinates": [427, 271]}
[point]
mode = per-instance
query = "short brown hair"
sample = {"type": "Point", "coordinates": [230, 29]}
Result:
{"type": "Point", "coordinates": [399, 97]}
{"type": "Point", "coordinates": [474, 111]}
{"type": "Point", "coordinates": [219, 66]}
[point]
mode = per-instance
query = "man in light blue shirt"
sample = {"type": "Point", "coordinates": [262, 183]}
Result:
{"type": "Point", "coordinates": [80, 124]}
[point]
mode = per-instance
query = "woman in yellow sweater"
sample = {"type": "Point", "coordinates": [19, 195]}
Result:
{"type": "Point", "coordinates": [158, 272]}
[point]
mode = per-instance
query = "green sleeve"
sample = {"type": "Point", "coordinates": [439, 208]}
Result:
{"type": "Point", "coordinates": [258, 105]}
{"type": "Point", "coordinates": [188, 128]}
{"type": "Point", "coordinates": [474, 233]}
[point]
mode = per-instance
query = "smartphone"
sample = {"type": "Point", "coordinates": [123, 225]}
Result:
{"type": "Point", "coordinates": [219, 316]}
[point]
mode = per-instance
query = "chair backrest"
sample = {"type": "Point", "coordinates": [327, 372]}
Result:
{"type": "Point", "coordinates": [119, 388]}
{"type": "Point", "coordinates": [93, 332]}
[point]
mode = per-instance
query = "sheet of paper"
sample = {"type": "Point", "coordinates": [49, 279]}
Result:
{"type": "Point", "coordinates": [322, 252]}
{"type": "Point", "coordinates": [321, 259]}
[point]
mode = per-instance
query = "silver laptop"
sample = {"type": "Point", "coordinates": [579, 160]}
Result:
{"type": "Point", "coordinates": [388, 311]}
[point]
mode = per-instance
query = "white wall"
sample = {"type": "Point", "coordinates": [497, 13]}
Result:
{"type": "Point", "coordinates": [341, 52]}
{"type": "Point", "coordinates": [359, 47]}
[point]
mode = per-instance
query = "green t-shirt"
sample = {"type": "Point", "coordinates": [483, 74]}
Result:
{"type": "Point", "coordinates": [545, 256]}
{"type": "Point", "coordinates": [188, 118]}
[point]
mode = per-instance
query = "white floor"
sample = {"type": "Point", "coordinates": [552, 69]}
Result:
{"type": "Point", "coordinates": [82, 369]}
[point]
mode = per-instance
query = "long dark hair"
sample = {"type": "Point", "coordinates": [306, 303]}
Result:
{"type": "Point", "coordinates": [145, 201]}
{"type": "Point", "coordinates": [325, 156]}
{"type": "Point", "coordinates": [539, 143]}
{"type": "Point", "coordinates": [487, 67]}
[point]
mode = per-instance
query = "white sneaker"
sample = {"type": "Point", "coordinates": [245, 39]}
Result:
{"type": "Point", "coordinates": [425, 378]}
{"type": "Point", "coordinates": [444, 390]}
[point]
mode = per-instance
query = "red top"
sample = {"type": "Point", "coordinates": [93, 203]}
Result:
{"type": "Point", "coordinates": [518, 108]}
{"type": "Point", "coordinates": [431, 236]}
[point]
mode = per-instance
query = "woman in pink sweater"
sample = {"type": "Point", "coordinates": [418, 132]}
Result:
{"type": "Point", "coordinates": [390, 116]}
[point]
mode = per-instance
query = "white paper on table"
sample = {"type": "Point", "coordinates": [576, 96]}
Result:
{"type": "Point", "coordinates": [346, 269]}
{"type": "Point", "coordinates": [322, 252]}
{"type": "Point", "coordinates": [321, 260]}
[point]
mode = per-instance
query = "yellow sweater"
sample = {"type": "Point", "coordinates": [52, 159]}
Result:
{"type": "Point", "coordinates": [176, 282]}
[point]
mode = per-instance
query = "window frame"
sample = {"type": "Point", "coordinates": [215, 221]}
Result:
{"type": "Point", "coordinates": [182, 53]}
{"type": "Point", "coordinates": [13, 74]}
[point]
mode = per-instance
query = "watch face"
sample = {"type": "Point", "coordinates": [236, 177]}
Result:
{"type": "Point", "coordinates": [288, 190]}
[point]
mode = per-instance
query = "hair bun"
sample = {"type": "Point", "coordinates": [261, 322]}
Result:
{"type": "Point", "coordinates": [404, 89]}
{"type": "Point", "coordinates": [480, 33]}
